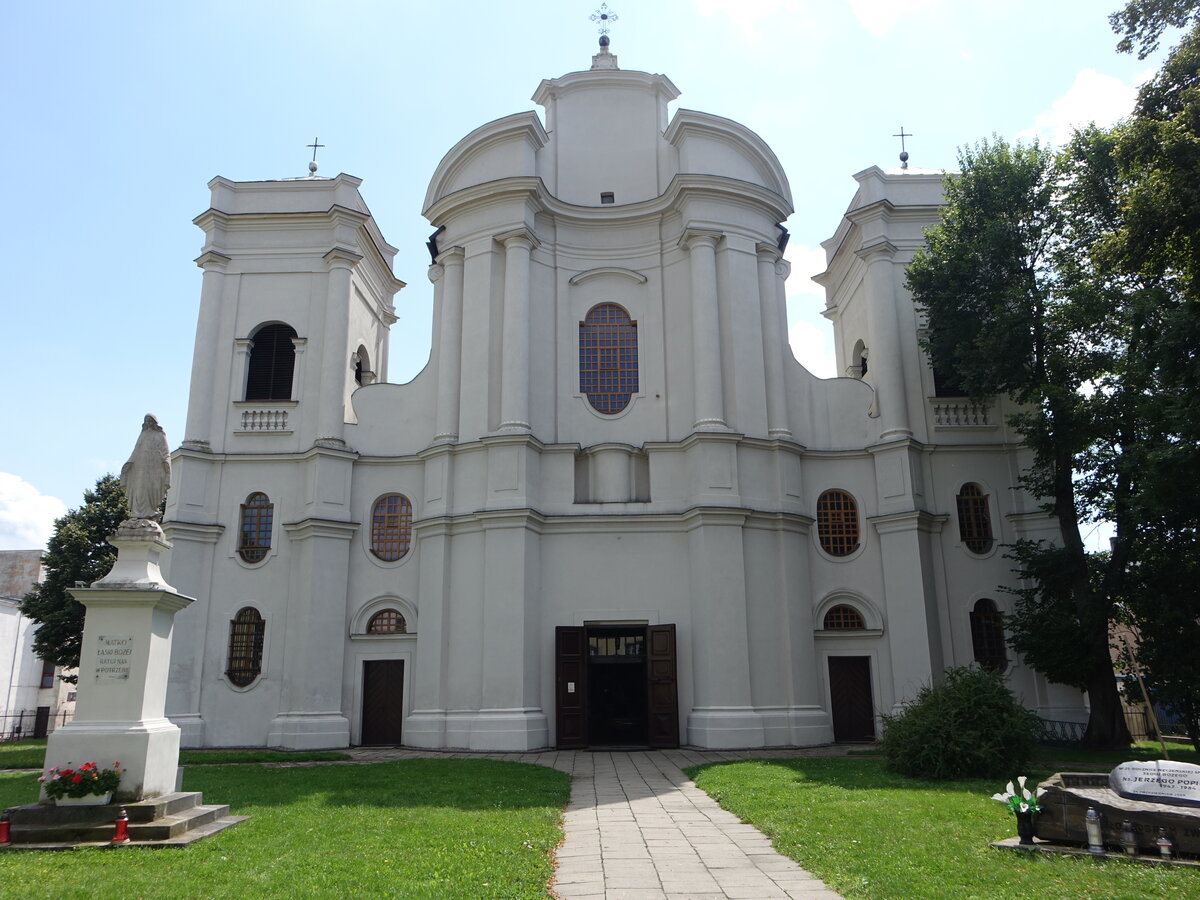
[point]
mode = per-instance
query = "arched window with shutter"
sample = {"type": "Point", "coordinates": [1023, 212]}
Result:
{"type": "Point", "coordinates": [391, 527]}
{"type": "Point", "coordinates": [254, 533]}
{"type": "Point", "coordinates": [987, 636]}
{"type": "Point", "coordinates": [837, 523]}
{"type": "Point", "coordinates": [608, 358]}
{"type": "Point", "coordinates": [246, 633]}
{"type": "Point", "coordinates": [272, 363]}
{"type": "Point", "coordinates": [974, 519]}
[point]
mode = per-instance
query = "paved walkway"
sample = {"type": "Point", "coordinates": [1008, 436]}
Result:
{"type": "Point", "coordinates": [637, 828]}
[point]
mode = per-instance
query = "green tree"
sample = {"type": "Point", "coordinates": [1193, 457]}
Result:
{"type": "Point", "coordinates": [1157, 244]}
{"type": "Point", "coordinates": [1142, 22]}
{"type": "Point", "coordinates": [78, 551]}
{"type": "Point", "coordinates": [1011, 309]}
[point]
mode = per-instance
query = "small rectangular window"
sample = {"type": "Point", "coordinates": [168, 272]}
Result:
{"type": "Point", "coordinates": [607, 197]}
{"type": "Point", "coordinates": [47, 674]}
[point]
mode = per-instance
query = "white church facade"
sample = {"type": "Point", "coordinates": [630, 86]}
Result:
{"type": "Point", "coordinates": [612, 510]}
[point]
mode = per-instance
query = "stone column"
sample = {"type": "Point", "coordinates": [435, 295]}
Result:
{"type": "Point", "coordinates": [514, 385]}
{"type": "Point", "coordinates": [706, 331]}
{"type": "Point", "coordinates": [450, 344]}
{"type": "Point", "coordinates": [722, 714]}
{"type": "Point", "coordinates": [335, 355]}
{"type": "Point", "coordinates": [203, 392]}
{"type": "Point", "coordinates": [913, 617]}
{"type": "Point", "coordinates": [883, 330]}
{"type": "Point", "coordinates": [771, 273]}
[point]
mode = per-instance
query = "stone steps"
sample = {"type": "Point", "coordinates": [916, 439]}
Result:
{"type": "Point", "coordinates": [171, 820]}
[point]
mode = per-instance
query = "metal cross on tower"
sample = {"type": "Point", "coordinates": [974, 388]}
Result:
{"type": "Point", "coordinates": [312, 166]}
{"type": "Point", "coordinates": [903, 152]}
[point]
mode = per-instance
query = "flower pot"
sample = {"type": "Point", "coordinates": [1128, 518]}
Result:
{"type": "Point", "coordinates": [85, 800]}
{"type": "Point", "coordinates": [1025, 828]}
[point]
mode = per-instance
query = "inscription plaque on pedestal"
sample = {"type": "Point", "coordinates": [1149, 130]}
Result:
{"type": "Point", "coordinates": [1160, 781]}
{"type": "Point", "coordinates": [114, 654]}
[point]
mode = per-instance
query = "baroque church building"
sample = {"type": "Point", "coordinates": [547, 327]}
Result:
{"type": "Point", "coordinates": [612, 510]}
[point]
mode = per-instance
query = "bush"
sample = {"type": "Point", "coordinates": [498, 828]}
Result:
{"type": "Point", "coordinates": [968, 726]}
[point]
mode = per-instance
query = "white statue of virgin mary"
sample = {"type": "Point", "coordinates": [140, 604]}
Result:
{"type": "Point", "coordinates": [147, 476]}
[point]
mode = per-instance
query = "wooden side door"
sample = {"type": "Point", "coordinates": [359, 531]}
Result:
{"type": "Point", "coordinates": [662, 703]}
{"type": "Point", "coordinates": [850, 699]}
{"type": "Point", "coordinates": [570, 686]}
{"type": "Point", "coordinates": [383, 701]}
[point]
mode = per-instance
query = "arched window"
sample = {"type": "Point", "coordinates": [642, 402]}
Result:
{"type": "Point", "coordinates": [844, 618]}
{"type": "Point", "coordinates": [362, 367]}
{"type": "Point", "coordinates": [608, 358]}
{"type": "Point", "coordinates": [987, 636]}
{"type": "Point", "coordinates": [254, 535]}
{"type": "Point", "coordinates": [246, 632]}
{"type": "Point", "coordinates": [391, 527]}
{"type": "Point", "coordinates": [974, 520]}
{"type": "Point", "coordinates": [837, 523]}
{"type": "Point", "coordinates": [387, 621]}
{"type": "Point", "coordinates": [272, 362]}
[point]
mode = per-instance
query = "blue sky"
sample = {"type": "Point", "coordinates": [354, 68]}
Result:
{"type": "Point", "coordinates": [117, 114]}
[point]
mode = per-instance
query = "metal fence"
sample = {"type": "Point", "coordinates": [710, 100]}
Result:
{"type": "Point", "coordinates": [1136, 720]}
{"type": "Point", "coordinates": [30, 723]}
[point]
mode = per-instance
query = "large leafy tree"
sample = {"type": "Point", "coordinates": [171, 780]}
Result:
{"type": "Point", "coordinates": [1011, 309]}
{"type": "Point", "coordinates": [1157, 244]}
{"type": "Point", "coordinates": [78, 551]}
{"type": "Point", "coordinates": [1072, 282]}
{"type": "Point", "coordinates": [1141, 23]}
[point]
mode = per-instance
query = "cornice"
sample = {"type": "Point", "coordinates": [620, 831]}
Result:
{"type": "Point", "coordinates": [329, 528]}
{"type": "Point", "coordinates": [909, 520]}
{"type": "Point", "coordinates": [681, 187]}
{"type": "Point", "coordinates": [580, 277]}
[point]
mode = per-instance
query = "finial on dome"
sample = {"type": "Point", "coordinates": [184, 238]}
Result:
{"type": "Point", "coordinates": [903, 152]}
{"type": "Point", "coordinates": [603, 18]}
{"type": "Point", "coordinates": [312, 165]}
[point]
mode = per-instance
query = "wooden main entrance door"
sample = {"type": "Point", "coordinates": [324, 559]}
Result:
{"type": "Point", "coordinates": [615, 685]}
{"type": "Point", "coordinates": [850, 698]}
{"type": "Point", "coordinates": [383, 701]}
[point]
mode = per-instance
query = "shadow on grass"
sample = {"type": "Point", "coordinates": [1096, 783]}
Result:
{"type": "Point", "coordinates": [470, 784]}
{"type": "Point", "coordinates": [869, 774]}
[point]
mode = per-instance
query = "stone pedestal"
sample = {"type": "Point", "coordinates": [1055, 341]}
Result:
{"type": "Point", "coordinates": [123, 666]}
{"type": "Point", "coordinates": [1069, 795]}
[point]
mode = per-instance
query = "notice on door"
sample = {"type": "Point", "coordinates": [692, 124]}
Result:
{"type": "Point", "coordinates": [113, 656]}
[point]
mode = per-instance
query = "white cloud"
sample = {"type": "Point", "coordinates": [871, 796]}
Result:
{"type": "Point", "coordinates": [881, 16]}
{"type": "Point", "coordinates": [26, 515]}
{"type": "Point", "coordinates": [1093, 97]}
{"type": "Point", "coordinates": [746, 14]}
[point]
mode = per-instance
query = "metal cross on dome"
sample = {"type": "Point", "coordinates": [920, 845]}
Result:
{"type": "Point", "coordinates": [604, 17]}
{"type": "Point", "coordinates": [903, 149]}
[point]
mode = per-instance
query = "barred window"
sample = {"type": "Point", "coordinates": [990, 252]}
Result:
{"type": "Point", "coordinates": [844, 618]}
{"type": "Point", "coordinates": [272, 363]}
{"type": "Point", "coordinates": [837, 523]}
{"type": "Point", "coordinates": [254, 535]}
{"type": "Point", "coordinates": [246, 632]}
{"type": "Point", "coordinates": [391, 527]}
{"type": "Point", "coordinates": [987, 636]}
{"type": "Point", "coordinates": [608, 358]}
{"type": "Point", "coordinates": [974, 520]}
{"type": "Point", "coordinates": [388, 621]}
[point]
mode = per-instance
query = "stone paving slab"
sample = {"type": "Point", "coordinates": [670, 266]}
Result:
{"type": "Point", "coordinates": [637, 829]}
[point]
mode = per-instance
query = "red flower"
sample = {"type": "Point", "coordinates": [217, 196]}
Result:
{"type": "Point", "coordinates": [77, 779]}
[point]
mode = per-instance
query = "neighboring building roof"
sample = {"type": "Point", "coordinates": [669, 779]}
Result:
{"type": "Point", "coordinates": [19, 571]}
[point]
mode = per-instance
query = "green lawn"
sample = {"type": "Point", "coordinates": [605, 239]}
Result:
{"type": "Point", "coordinates": [869, 833]}
{"type": "Point", "coordinates": [30, 754]}
{"type": "Point", "coordinates": [424, 828]}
